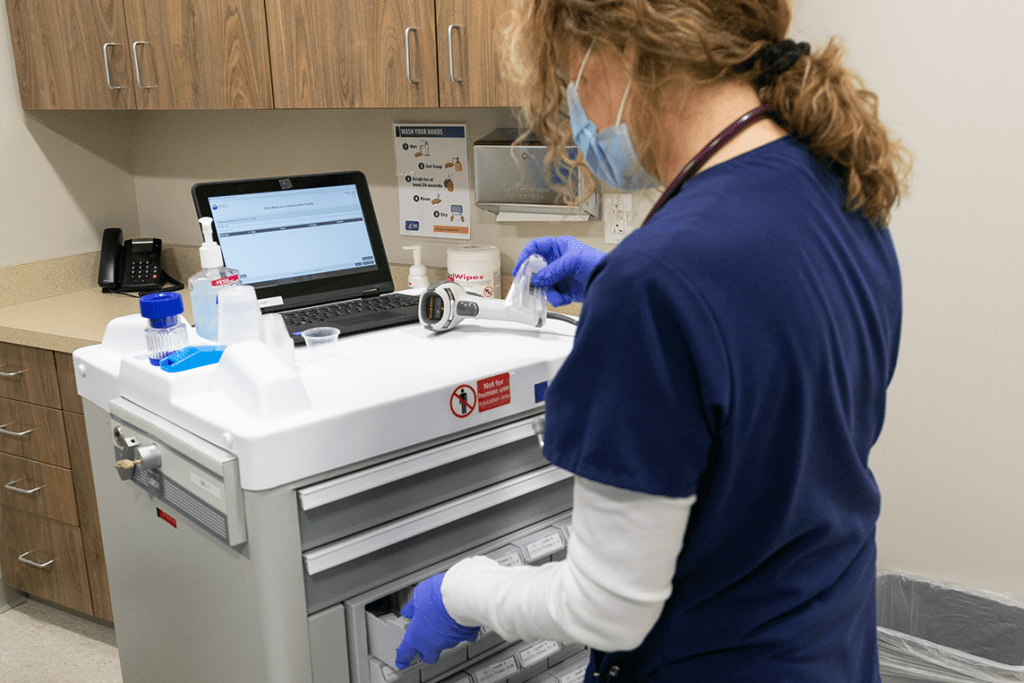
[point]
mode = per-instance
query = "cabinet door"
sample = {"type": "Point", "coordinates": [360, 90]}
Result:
{"type": "Point", "coordinates": [71, 54]}
{"type": "Point", "coordinates": [471, 53]}
{"type": "Point", "coordinates": [199, 54]}
{"type": "Point", "coordinates": [331, 54]}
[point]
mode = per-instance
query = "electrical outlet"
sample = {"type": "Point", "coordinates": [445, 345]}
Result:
{"type": "Point", "coordinates": [617, 210]}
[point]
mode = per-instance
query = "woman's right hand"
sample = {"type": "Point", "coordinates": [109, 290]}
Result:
{"type": "Point", "coordinates": [570, 264]}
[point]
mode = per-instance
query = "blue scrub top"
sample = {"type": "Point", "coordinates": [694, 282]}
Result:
{"type": "Point", "coordinates": [738, 347]}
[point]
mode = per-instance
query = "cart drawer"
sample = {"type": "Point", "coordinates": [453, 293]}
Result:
{"type": "Point", "coordinates": [33, 432]}
{"type": "Point", "coordinates": [386, 552]}
{"type": "Point", "coordinates": [44, 558]}
{"type": "Point", "coordinates": [334, 509]}
{"type": "Point", "coordinates": [41, 489]}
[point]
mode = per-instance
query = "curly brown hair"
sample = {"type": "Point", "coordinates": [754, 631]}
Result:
{"type": "Point", "coordinates": [679, 43]}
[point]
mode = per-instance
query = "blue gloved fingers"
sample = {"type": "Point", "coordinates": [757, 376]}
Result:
{"type": "Point", "coordinates": [431, 630]}
{"type": "Point", "coordinates": [404, 656]}
{"type": "Point", "coordinates": [556, 298]}
{"type": "Point", "coordinates": [545, 246]}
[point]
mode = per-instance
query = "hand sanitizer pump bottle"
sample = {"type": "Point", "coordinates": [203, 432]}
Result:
{"type": "Point", "coordinates": [204, 285]}
{"type": "Point", "coordinates": [417, 271]}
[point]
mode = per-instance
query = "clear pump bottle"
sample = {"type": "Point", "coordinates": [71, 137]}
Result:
{"type": "Point", "coordinates": [204, 285]}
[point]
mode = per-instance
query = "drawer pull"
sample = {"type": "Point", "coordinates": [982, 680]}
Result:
{"type": "Point", "coordinates": [44, 565]}
{"type": "Point", "coordinates": [10, 486]}
{"type": "Point", "coordinates": [13, 374]}
{"type": "Point", "coordinates": [10, 433]}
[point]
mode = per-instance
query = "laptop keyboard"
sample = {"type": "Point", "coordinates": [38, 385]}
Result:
{"type": "Point", "coordinates": [327, 312]}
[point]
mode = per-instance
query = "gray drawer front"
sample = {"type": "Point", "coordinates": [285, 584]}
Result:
{"type": "Point", "coordinates": [347, 505]}
{"type": "Point", "coordinates": [363, 562]}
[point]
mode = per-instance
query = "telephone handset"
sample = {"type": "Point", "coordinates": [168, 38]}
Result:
{"type": "Point", "coordinates": [133, 266]}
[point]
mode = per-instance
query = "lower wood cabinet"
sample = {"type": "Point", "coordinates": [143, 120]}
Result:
{"type": "Point", "coordinates": [50, 541]}
{"type": "Point", "coordinates": [45, 558]}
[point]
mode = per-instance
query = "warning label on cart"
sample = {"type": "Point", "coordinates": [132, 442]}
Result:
{"type": "Point", "coordinates": [462, 401]}
{"type": "Point", "coordinates": [494, 392]}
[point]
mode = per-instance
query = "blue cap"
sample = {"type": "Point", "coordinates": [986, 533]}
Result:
{"type": "Point", "coordinates": [160, 305]}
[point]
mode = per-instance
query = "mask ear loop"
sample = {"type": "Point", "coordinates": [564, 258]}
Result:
{"type": "Point", "coordinates": [622, 107]}
{"type": "Point", "coordinates": [583, 64]}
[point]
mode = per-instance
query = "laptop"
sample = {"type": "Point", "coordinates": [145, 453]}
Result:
{"type": "Point", "coordinates": [311, 247]}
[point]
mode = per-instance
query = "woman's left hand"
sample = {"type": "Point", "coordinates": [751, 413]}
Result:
{"type": "Point", "coordinates": [431, 628]}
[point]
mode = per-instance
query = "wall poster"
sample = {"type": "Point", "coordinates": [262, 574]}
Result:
{"type": "Point", "coordinates": [433, 180]}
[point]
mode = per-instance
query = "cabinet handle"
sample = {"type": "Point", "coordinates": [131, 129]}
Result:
{"type": "Point", "coordinates": [451, 54]}
{"type": "Point", "coordinates": [13, 374]}
{"type": "Point", "coordinates": [408, 63]}
{"type": "Point", "coordinates": [7, 432]}
{"type": "Point", "coordinates": [135, 57]}
{"type": "Point", "coordinates": [10, 486]}
{"type": "Point", "coordinates": [44, 565]}
{"type": "Point", "coordinates": [106, 66]}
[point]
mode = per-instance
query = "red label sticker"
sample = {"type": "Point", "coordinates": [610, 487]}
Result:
{"type": "Point", "coordinates": [167, 518]}
{"type": "Point", "coordinates": [494, 392]}
{"type": "Point", "coordinates": [463, 401]}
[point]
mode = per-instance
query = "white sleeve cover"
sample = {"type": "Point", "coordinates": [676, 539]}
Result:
{"type": "Point", "coordinates": [608, 592]}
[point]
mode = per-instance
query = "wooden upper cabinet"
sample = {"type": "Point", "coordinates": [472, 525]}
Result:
{"type": "Point", "coordinates": [71, 54]}
{"type": "Point", "coordinates": [471, 53]}
{"type": "Point", "coordinates": [327, 53]}
{"type": "Point", "coordinates": [199, 54]}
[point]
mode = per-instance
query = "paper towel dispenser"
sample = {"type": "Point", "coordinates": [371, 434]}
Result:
{"type": "Point", "coordinates": [514, 185]}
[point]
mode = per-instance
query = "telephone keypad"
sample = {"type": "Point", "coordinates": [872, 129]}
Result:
{"type": "Point", "coordinates": [144, 271]}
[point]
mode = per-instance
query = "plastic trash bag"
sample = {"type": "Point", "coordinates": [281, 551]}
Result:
{"type": "Point", "coordinates": [940, 633]}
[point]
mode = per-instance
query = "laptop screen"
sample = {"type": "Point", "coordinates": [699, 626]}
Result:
{"type": "Point", "coordinates": [299, 237]}
{"type": "Point", "coordinates": [293, 235]}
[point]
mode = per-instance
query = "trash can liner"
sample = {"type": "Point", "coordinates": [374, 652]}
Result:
{"type": "Point", "coordinates": [938, 632]}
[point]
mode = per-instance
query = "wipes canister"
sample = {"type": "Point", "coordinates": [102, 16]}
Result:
{"type": "Point", "coordinates": [477, 269]}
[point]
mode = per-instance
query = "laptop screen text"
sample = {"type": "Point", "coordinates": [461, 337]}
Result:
{"type": "Point", "coordinates": [293, 235]}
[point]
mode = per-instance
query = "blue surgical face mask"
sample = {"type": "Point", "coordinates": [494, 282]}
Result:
{"type": "Point", "coordinates": [609, 153]}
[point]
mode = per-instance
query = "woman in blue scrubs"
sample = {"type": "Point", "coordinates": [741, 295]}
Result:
{"type": "Point", "coordinates": [729, 372]}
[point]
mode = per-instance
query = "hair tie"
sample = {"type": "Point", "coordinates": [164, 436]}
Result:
{"type": "Point", "coordinates": [778, 58]}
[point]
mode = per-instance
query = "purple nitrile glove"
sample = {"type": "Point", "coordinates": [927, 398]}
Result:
{"type": "Point", "coordinates": [570, 264]}
{"type": "Point", "coordinates": [431, 629]}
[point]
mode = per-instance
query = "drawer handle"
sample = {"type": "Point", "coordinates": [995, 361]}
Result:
{"type": "Point", "coordinates": [135, 56]}
{"type": "Point", "coordinates": [106, 66]}
{"type": "Point", "coordinates": [408, 62]}
{"type": "Point", "coordinates": [7, 432]}
{"type": "Point", "coordinates": [451, 54]}
{"type": "Point", "coordinates": [10, 486]}
{"type": "Point", "coordinates": [44, 565]}
{"type": "Point", "coordinates": [13, 374]}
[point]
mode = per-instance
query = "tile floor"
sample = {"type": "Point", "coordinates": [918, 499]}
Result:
{"type": "Point", "coordinates": [42, 644]}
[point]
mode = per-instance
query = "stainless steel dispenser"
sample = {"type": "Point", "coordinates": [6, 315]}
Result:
{"type": "Point", "coordinates": [512, 184]}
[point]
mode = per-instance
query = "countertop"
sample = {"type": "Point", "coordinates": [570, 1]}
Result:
{"type": "Point", "coordinates": [68, 321]}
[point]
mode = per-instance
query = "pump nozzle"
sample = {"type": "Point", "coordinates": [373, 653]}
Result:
{"type": "Point", "coordinates": [417, 271]}
{"type": "Point", "coordinates": [209, 254]}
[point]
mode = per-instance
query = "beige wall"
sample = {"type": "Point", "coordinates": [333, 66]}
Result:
{"type": "Point", "coordinates": [64, 176]}
{"type": "Point", "coordinates": [173, 150]}
{"type": "Point", "coordinates": [950, 462]}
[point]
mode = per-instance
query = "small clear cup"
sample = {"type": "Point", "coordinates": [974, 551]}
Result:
{"type": "Point", "coordinates": [320, 336]}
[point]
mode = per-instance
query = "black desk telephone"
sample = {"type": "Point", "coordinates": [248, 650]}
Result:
{"type": "Point", "coordinates": [133, 266]}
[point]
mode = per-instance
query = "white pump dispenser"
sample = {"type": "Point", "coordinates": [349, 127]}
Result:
{"type": "Point", "coordinates": [417, 271]}
{"type": "Point", "coordinates": [204, 285]}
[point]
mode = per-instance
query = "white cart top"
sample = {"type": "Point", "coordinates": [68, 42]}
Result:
{"type": "Point", "coordinates": [368, 395]}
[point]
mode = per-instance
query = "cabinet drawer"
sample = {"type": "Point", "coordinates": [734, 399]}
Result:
{"type": "Point", "coordinates": [44, 558]}
{"type": "Point", "coordinates": [29, 375]}
{"type": "Point", "coordinates": [38, 488]}
{"type": "Point", "coordinates": [33, 432]}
